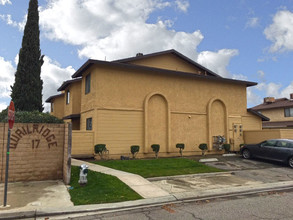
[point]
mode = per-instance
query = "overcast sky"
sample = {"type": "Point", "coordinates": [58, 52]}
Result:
{"type": "Point", "coordinates": [243, 39]}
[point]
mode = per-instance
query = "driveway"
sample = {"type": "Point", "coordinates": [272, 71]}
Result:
{"type": "Point", "coordinates": [240, 173]}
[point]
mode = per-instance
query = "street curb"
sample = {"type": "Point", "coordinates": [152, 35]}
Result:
{"type": "Point", "coordinates": [234, 190]}
{"type": "Point", "coordinates": [178, 197]}
{"type": "Point", "coordinates": [189, 175]}
{"type": "Point", "coordinates": [43, 212]}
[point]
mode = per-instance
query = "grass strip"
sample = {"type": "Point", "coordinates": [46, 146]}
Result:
{"type": "Point", "coordinates": [159, 167]}
{"type": "Point", "coordinates": [101, 188]}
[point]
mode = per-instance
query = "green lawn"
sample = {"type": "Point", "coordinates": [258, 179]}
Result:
{"type": "Point", "coordinates": [159, 167]}
{"type": "Point", "coordinates": [101, 188]}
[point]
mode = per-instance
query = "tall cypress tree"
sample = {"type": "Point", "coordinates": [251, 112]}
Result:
{"type": "Point", "coordinates": [27, 89]}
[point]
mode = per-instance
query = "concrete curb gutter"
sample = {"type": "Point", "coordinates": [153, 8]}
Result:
{"type": "Point", "coordinates": [234, 190]}
{"type": "Point", "coordinates": [175, 198]}
{"type": "Point", "coordinates": [189, 175]}
{"type": "Point", "coordinates": [42, 212]}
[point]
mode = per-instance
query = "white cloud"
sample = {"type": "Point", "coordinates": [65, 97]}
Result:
{"type": "Point", "coordinates": [6, 77]}
{"type": "Point", "coordinates": [53, 76]}
{"type": "Point", "coordinates": [272, 89]}
{"type": "Point", "coordinates": [118, 29]}
{"type": "Point", "coordinates": [3, 2]}
{"type": "Point", "coordinates": [252, 98]}
{"type": "Point", "coordinates": [217, 61]}
{"type": "Point", "coordinates": [261, 74]}
{"type": "Point", "coordinates": [8, 19]}
{"type": "Point", "coordinates": [287, 91]}
{"type": "Point", "coordinates": [3, 106]}
{"type": "Point", "coordinates": [276, 90]}
{"type": "Point", "coordinates": [252, 22]}
{"type": "Point", "coordinates": [115, 29]}
{"type": "Point", "coordinates": [79, 22]}
{"type": "Point", "coordinates": [182, 5]}
{"type": "Point", "coordinates": [239, 77]}
{"type": "Point", "coordinates": [280, 32]}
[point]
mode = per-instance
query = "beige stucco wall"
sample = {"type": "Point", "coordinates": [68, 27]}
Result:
{"type": "Point", "coordinates": [89, 100]}
{"type": "Point", "coordinates": [74, 105]}
{"type": "Point", "coordinates": [82, 143]}
{"type": "Point", "coordinates": [170, 62]}
{"type": "Point", "coordinates": [276, 114]}
{"type": "Point", "coordinates": [135, 107]}
{"type": "Point", "coordinates": [253, 137]}
{"type": "Point", "coordinates": [58, 110]}
{"type": "Point", "coordinates": [119, 105]}
{"type": "Point", "coordinates": [37, 152]}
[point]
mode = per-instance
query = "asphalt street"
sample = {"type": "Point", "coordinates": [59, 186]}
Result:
{"type": "Point", "coordinates": [268, 205]}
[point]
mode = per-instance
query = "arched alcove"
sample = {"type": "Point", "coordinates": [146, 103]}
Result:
{"type": "Point", "coordinates": [217, 120]}
{"type": "Point", "coordinates": [157, 118]}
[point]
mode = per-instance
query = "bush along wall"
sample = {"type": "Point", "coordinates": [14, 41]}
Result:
{"type": "Point", "coordinates": [30, 117]}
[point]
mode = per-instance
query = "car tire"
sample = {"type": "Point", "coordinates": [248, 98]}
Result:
{"type": "Point", "coordinates": [290, 162]}
{"type": "Point", "coordinates": [246, 154]}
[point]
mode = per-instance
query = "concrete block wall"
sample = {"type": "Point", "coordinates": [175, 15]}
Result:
{"type": "Point", "coordinates": [37, 152]}
{"type": "Point", "coordinates": [254, 137]}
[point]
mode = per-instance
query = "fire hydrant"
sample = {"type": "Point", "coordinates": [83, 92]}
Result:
{"type": "Point", "coordinates": [83, 174]}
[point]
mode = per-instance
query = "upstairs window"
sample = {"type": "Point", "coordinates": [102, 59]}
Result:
{"type": "Point", "coordinates": [288, 112]}
{"type": "Point", "coordinates": [89, 124]}
{"type": "Point", "coordinates": [52, 106]}
{"type": "Point", "coordinates": [88, 83]}
{"type": "Point", "coordinates": [67, 97]}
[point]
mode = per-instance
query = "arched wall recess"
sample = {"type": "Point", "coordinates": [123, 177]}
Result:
{"type": "Point", "coordinates": [156, 122]}
{"type": "Point", "coordinates": [211, 115]}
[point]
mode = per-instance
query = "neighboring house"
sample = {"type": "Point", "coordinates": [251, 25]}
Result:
{"type": "Point", "coordinates": [161, 98]}
{"type": "Point", "coordinates": [280, 112]}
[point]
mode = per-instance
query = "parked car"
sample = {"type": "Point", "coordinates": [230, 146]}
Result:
{"type": "Point", "coordinates": [276, 149]}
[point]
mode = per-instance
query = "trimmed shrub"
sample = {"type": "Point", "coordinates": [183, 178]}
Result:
{"type": "Point", "coordinates": [181, 147]}
{"type": "Point", "coordinates": [203, 147]}
{"type": "Point", "coordinates": [156, 149]}
{"type": "Point", "coordinates": [101, 150]}
{"type": "Point", "coordinates": [30, 117]}
{"type": "Point", "coordinates": [134, 149]}
{"type": "Point", "coordinates": [227, 147]}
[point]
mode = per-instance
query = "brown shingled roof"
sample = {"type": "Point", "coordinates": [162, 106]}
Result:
{"type": "Point", "coordinates": [278, 103]}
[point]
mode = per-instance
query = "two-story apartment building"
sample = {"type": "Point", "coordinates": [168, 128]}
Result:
{"type": "Point", "coordinates": [161, 98]}
{"type": "Point", "coordinates": [280, 112]}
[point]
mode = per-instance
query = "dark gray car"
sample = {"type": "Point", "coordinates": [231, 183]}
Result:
{"type": "Point", "coordinates": [276, 149]}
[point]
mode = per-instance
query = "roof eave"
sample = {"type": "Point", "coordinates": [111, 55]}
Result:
{"type": "Point", "coordinates": [67, 83]}
{"type": "Point", "coordinates": [263, 118]}
{"type": "Point", "coordinates": [172, 51]}
{"type": "Point", "coordinates": [48, 100]}
{"type": "Point", "coordinates": [89, 63]}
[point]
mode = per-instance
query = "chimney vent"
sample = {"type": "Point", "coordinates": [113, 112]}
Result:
{"type": "Point", "coordinates": [291, 96]}
{"type": "Point", "coordinates": [139, 54]}
{"type": "Point", "coordinates": [269, 100]}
